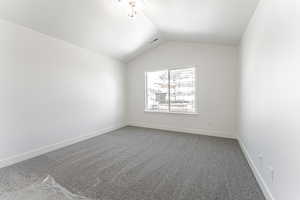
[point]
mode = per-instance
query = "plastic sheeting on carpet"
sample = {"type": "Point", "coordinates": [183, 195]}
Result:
{"type": "Point", "coordinates": [47, 189]}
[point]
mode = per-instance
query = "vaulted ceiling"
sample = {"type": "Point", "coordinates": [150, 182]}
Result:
{"type": "Point", "coordinates": [103, 25]}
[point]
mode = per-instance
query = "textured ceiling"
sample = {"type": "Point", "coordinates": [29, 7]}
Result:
{"type": "Point", "coordinates": [217, 21]}
{"type": "Point", "coordinates": [103, 25]}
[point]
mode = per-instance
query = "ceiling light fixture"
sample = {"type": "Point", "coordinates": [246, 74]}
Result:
{"type": "Point", "coordinates": [133, 6]}
{"type": "Point", "coordinates": [133, 11]}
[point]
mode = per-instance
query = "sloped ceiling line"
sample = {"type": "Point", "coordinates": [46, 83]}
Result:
{"type": "Point", "coordinates": [103, 26]}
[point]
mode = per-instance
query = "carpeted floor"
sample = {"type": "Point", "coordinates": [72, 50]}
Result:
{"type": "Point", "coordinates": [143, 164]}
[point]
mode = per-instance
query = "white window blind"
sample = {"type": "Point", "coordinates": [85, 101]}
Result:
{"type": "Point", "coordinates": [171, 90]}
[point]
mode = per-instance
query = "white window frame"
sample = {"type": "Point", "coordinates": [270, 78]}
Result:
{"type": "Point", "coordinates": [169, 110]}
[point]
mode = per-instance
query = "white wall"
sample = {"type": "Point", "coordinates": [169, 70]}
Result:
{"type": "Point", "coordinates": [270, 95]}
{"type": "Point", "coordinates": [53, 92]}
{"type": "Point", "coordinates": [217, 72]}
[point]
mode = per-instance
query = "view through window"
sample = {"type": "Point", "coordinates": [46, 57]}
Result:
{"type": "Point", "coordinates": [171, 90]}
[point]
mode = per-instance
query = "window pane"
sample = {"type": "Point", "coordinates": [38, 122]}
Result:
{"type": "Point", "coordinates": [157, 91]}
{"type": "Point", "coordinates": [182, 90]}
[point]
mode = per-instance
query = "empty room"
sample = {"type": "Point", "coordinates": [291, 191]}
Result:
{"type": "Point", "coordinates": [149, 99]}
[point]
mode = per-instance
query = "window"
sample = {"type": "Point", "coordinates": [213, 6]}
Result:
{"type": "Point", "coordinates": [171, 90]}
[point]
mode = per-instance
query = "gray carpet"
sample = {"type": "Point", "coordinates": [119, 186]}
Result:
{"type": "Point", "coordinates": [143, 164]}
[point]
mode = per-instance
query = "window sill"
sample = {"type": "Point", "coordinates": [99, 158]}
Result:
{"type": "Point", "coordinates": [176, 113]}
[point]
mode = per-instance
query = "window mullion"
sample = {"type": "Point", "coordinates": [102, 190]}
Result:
{"type": "Point", "coordinates": [146, 91]}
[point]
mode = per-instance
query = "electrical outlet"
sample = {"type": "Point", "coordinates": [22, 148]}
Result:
{"type": "Point", "coordinates": [261, 160]}
{"type": "Point", "coordinates": [272, 174]}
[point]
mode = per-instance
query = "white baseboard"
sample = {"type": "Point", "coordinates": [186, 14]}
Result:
{"type": "Point", "coordinates": [263, 185]}
{"type": "Point", "coordinates": [45, 149]}
{"type": "Point", "coordinates": [214, 133]}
